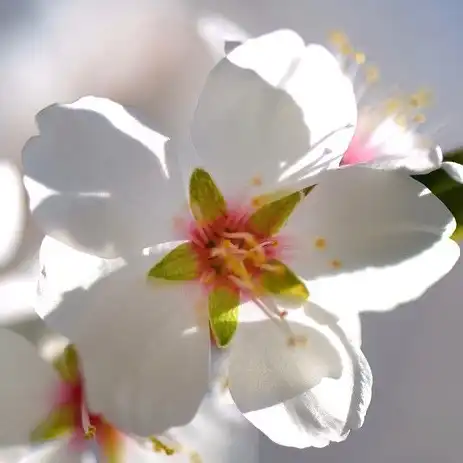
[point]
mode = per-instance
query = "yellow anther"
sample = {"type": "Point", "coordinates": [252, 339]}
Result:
{"type": "Point", "coordinates": [393, 105]}
{"type": "Point", "coordinates": [90, 432]}
{"type": "Point", "coordinates": [372, 74]}
{"type": "Point", "coordinates": [297, 341]}
{"type": "Point", "coordinates": [401, 120]}
{"type": "Point", "coordinates": [320, 243]}
{"type": "Point", "coordinates": [360, 58]}
{"type": "Point", "coordinates": [420, 99]}
{"type": "Point", "coordinates": [258, 201]}
{"type": "Point", "coordinates": [160, 447]}
{"type": "Point", "coordinates": [339, 39]}
{"type": "Point", "coordinates": [419, 118]}
{"type": "Point", "coordinates": [195, 457]}
{"type": "Point", "coordinates": [256, 180]}
{"type": "Point", "coordinates": [225, 383]}
{"type": "Point", "coordinates": [335, 263]}
{"type": "Point", "coordinates": [207, 277]}
{"type": "Point", "coordinates": [248, 238]}
{"type": "Point", "coordinates": [346, 49]}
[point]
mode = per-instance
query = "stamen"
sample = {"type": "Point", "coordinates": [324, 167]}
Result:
{"type": "Point", "coordinates": [420, 99]}
{"type": "Point", "coordinates": [90, 432]}
{"type": "Point", "coordinates": [256, 180]}
{"type": "Point", "coordinates": [246, 285]}
{"type": "Point", "coordinates": [295, 341]}
{"type": "Point", "coordinates": [393, 106]}
{"type": "Point", "coordinates": [203, 234]}
{"type": "Point", "coordinates": [89, 429]}
{"type": "Point", "coordinates": [273, 268]}
{"type": "Point", "coordinates": [320, 243]}
{"type": "Point", "coordinates": [339, 39]}
{"type": "Point", "coordinates": [248, 238]}
{"type": "Point", "coordinates": [401, 120]}
{"type": "Point", "coordinates": [195, 457]}
{"type": "Point", "coordinates": [335, 263]}
{"type": "Point", "coordinates": [225, 384]}
{"type": "Point", "coordinates": [277, 317]}
{"type": "Point", "coordinates": [372, 74]}
{"type": "Point", "coordinates": [160, 447]}
{"type": "Point", "coordinates": [360, 58]}
{"type": "Point", "coordinates": [419, 118]}
{"type": "Point", "coordinates": [207, 277]}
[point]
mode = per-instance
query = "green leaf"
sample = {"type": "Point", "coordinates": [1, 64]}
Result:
{"type": "Point", "coordinates": [438, 181]}
{"type": "Point", "coordinates": [271, 217]}
{"type": "Point", "coordinates": [59, 422]}
{"type": "Point", "coordinates": [223, 314]}
{"type": "Point", "coordinates": [67, 365]}
{"type": "Point", "coordinates": [283, 282]}
{"type": "Point", "coordinates": [206, 200]}
{"type": "Point", "coordinates": [447, 190]}
{"type": "Point", "coordinates": [453, 199]}
{"type": "Point", "coordinates": [181, 264]}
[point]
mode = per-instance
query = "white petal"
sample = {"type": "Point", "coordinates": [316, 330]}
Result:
{"type": "Point", "coordinates": [27, 387]}
{"type": "Point", "coordinates": [385, 240]}
{"type": "Point", "coordinates": [12, 211]}
{"type": "Point", "coordinates": [99, 180]}
{"type": "Point", "coordinates": [396, 148]}
{"type": "Point", "coordinates": [14, 454]}
{"type": "Point", "coordinates": [59, 451]}
{"type": "Point", "coordinates": [144, 347]}
{"type": "Point", "coordinates": [63, 270]}
{"type": "Point", "coordinates": [271, 103]}
{"type": "Point", "coordinates": [18, 293]}
{"type": "Point", "coordinates": [454, 170]}
{"type": "Point", "coordinates": [384, 144]}
{"type": "Point", "coordinates": [217, 434]}
{"type": "Point", "coordinates": [325, 410]}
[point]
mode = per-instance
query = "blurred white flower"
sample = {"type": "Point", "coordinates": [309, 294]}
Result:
{"type": "Point", "coordinates": [387, 135]}
{"type": "Point", "coordinates": [45, 403]}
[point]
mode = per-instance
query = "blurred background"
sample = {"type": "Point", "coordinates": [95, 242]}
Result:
{"type": "Point", "coordinates": [155, 54]}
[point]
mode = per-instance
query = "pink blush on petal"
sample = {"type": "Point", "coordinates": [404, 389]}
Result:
{"type": "Point", "coordinates": [357, 152]}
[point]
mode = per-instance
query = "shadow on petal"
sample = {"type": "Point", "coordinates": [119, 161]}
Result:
{"type": "Point", "coordinates": [253, 127]}
{"type": "Point", "coordinates": [144, 347]}
{"type": "Point", "coordinates": [98, 179]}
{"type": "Point", "coordinates": [265, 371]}
{"type": "Point", "coordinates": [361, 372]}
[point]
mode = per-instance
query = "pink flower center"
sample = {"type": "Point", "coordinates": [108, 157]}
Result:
{"type": "Point", "coordinates": [231, 253]}
{"type": "Point", "coordinates": [358, 151]}
{"type": "Point", "coordinates": [86, 425]}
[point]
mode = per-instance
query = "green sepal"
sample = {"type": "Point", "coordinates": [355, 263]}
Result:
{"type": "Point", "coordinates": [223, 314]}
{"type": "Point", "coordinates": [206, 200]}
{"type": "Point", "coordinates": [271, 217]}
{"type": "Point", "coordinates": [67, 365]}
{"type": "Point", "coordinates": [180, 264]}
{"type": "Point", "coordinates": [282, 281]}
{"type": "Point", "coordinates": [58, 423]}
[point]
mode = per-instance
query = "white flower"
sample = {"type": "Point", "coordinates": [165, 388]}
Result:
{"type": "Point", "coordinates": [41, 403]}
{"type": "Point", "coordinates": [389, 135]}
{"type": "Point", "coordinates": [272, 113]}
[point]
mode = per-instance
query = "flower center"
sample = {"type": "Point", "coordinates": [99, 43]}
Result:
{"type": "Point", "coordinates": [232, 254]}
